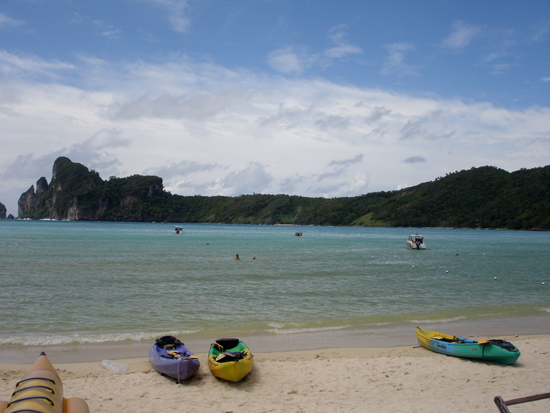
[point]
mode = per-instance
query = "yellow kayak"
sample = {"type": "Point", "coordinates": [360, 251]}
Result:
{"type": "Point", "coordinates": [41, 391]}
{"type": "Point", "coordinates": [230, 359]}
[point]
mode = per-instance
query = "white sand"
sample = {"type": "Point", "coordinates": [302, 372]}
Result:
{"type": "Point", "coordinates": [399, 379]}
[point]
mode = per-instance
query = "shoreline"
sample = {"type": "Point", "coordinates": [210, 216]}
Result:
{"type": "Point", "coordinates": [383, 336]}
{"type": "Point", "coordinates": [387, 379]}
{"type": "Point", "coordinates": [283, 224]}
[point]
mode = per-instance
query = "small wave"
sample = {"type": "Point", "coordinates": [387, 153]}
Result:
{"type": "Point", "coordinates": [305, 330]}
{"type": "Point", "coordinates": [61, 339]}
{"type": "Point", "coordinates": [442, 320]}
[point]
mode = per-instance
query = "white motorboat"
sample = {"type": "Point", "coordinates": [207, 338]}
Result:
{"type": "Point", "coordinates": [416, 242]}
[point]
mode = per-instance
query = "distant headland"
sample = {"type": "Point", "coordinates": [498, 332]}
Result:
{"type": "Point", "coordinates": [3, 211]}
{"type": "Point", "coordinates": [485, 197]}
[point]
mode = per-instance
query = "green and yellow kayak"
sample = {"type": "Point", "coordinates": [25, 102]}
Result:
{"type": "Point", "coordinates": [230, 359]}
{"type": "Point", "coordinates": [496, 351]}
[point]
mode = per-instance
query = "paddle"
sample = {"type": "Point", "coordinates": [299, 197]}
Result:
{"type": "Point", "coordinates": [447, 339]}
{"type": "Point", "coordinates": [223, 355]}
{"type": "Point", "coordinates": [234, 356]}
{"type": "Point", "coordinates": [179, 354]}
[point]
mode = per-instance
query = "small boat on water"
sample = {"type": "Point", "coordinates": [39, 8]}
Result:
{"type": "Point", "coordinates": [495, 351]}
{"type": "Point", "coordinates": [178, 230]}
{"type": "Point", "coordinates": [230, 359]}
{"type": "Point", "coordinates": [41, 391]}
{"type": "Point", "coordinates": [298, 234]}
{"type": "Point", "coordinates": [170, 357]}
{"type": "Point", "coordinates": [416, 242]}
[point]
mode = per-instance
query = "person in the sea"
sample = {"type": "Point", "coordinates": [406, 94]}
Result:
{"type": "Point", "coordinates": [237, 257]}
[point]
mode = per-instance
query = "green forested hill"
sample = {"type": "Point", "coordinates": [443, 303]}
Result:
{"type": "Point", "coordinates": [485, 197]}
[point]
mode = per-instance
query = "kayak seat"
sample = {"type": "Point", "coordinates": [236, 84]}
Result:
{"type": "Point", "coordinates": [168, 342]}
{"type": "Point", "coordinates": [503, 344]}
{"type": "Point", "coordinates": [227, 343]}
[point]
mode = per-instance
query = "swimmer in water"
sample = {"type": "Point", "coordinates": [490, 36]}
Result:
{"type": "Point", "coordinates": [237, 257]}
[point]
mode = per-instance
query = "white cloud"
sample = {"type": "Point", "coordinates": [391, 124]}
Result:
{"type": "Point", "coordinates": [290, 60]}
{"type": "Point", "coordinates": [296, 60]}
{"type": "Point", "coordinates": [181, 168]}
{"type": "Point", "coordinates": [338, 168]}
{"type": "Point", "coordinates": [194, 104]}
{"type": "Point", "coordinates": [176, 10]}
{"type": "Point", "coordinates": [332, 122]}
{"type": "Point", "coordinates": [415, 159]}
{"type": "Point", "coordinates": [342, 49]}
{"type": "Point", "coordinates": [6, 22]}
{"type": "Point", "coordinates": [461, 36]}
{"type": "Point", "coordinates": [107, 30]}
{"type": "Point", "coordinates": [395, 61]}
{"type": "Point", "coordinates": [376, 114]}
{"type": "Point", "coordinates": [540, 30]}
{"type": "Point", "coordinates": [12, 65]}
{"type": "Point", "coordinates": [253, 178]}
{"type": "Point", "coordinates": [503, 46]}
{"type": "Point", "coordinates": [209, 130]}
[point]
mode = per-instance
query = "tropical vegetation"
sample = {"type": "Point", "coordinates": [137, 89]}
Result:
{"type": "Point", "coordinates": [485, 197]}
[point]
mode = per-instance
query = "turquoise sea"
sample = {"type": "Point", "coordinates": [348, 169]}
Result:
{"type": "Point", "coordinates": [87, 283]}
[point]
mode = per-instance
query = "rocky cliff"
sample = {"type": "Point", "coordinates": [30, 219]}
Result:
{"type": "Point", "coordinates": [76, 193]}
{"type": "Point", "coordinates": [29, 199]}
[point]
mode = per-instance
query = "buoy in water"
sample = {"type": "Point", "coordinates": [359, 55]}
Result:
{"type": "Point", "coordinates": [495, 278]}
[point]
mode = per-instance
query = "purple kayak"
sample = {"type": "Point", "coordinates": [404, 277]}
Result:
{"type": "Point", "coordinates": [170, 357]}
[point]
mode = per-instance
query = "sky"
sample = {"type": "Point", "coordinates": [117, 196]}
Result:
{"type": "Point", "coordinates": [316, 98]}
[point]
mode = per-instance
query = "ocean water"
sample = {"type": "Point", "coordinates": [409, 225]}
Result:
{"type": "Point", "coordinates": [71, 283]}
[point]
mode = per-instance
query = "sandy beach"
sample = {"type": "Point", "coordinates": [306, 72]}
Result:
{"type": "Point", "coordinates": [396, 379]}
